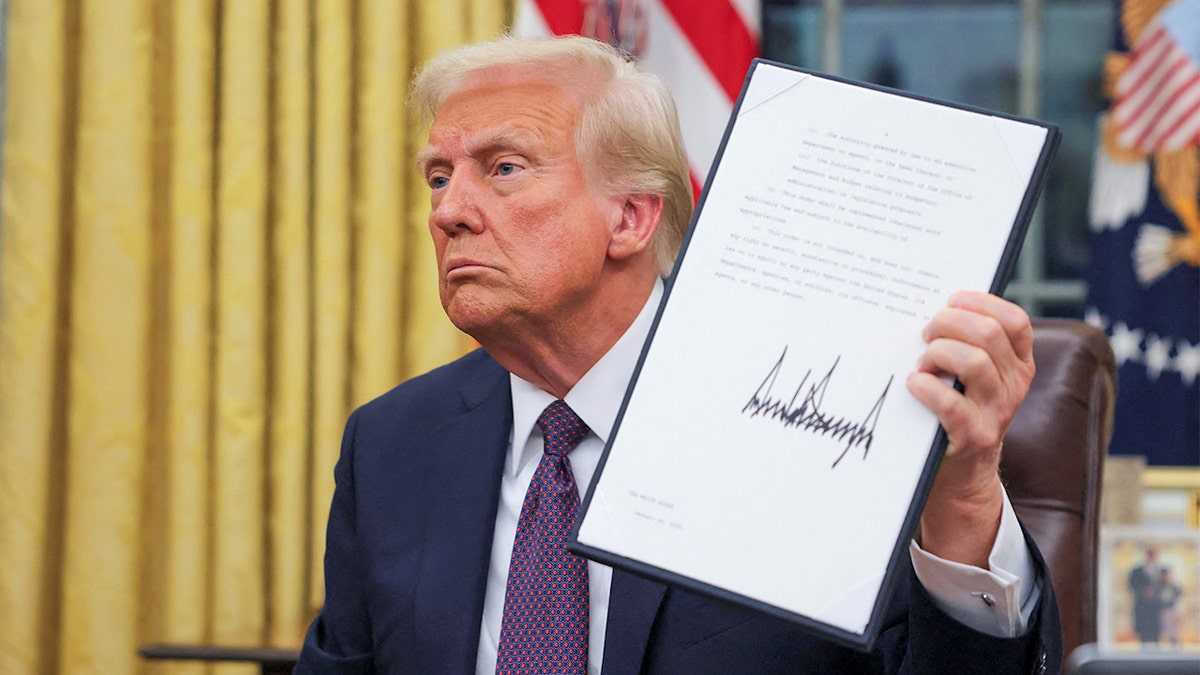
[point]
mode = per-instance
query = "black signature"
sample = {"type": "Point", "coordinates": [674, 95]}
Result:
{"type": "Point", "coordinates": [808, 416]}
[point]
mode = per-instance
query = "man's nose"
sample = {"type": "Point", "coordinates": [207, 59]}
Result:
{"type": "Point", "coordinates": [456, 208]}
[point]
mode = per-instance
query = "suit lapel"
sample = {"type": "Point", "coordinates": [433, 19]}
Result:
{"type": "Point", "coordinates": [467, 454]}
{"type": "Point", "coordinates": [632, 607]}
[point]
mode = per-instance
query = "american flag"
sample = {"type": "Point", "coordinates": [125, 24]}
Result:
{"type": "Point", "coordinates": [1157, 103]}
{"type": "Point", "coordinates": [700, 49]}
{"type": "Point", "coordinates": [1143, 281]}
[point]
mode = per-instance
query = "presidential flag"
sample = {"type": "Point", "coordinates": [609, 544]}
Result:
{"type": "Point", "coordinates": [701, 49]}
{"type": "Point", "coordinates": [1144, 280]}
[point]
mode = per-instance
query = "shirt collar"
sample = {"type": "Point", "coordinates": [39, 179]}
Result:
{"type": "Point", "coordinates": [597, 396]}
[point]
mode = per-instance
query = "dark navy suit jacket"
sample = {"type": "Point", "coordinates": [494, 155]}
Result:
{"type": "Point", "coordinates": [409, 542]}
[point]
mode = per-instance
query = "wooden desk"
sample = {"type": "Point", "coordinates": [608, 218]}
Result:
{"type": "Point", "coordinates": [271, 661]}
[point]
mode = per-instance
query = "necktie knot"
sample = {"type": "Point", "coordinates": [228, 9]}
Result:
{"type": "Point", "coordinates": [562, 428]}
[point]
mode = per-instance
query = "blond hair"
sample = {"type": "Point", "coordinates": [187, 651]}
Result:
{"type": "Point", "coordinates": [628, 138]}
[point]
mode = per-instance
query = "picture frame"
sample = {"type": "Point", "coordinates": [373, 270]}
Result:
{"type": "Point", "coordinates": [1145, 561]}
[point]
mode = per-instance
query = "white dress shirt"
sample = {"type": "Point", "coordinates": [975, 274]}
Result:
{"type": "Point", "coordinates": [998, 601]}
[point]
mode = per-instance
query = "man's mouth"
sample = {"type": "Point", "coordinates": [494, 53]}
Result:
{"type": "Point", "coordinates": [463, 266]}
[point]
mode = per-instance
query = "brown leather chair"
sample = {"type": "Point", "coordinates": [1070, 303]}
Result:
{"type": "Point", "coordinates": [1053, 460]}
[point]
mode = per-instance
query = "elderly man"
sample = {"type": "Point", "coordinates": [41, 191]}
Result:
{"type": "Point", "coordinates": [560, 196]}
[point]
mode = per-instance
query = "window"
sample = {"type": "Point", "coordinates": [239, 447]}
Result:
{"type": "Point", "coordinates": [1035, 58]}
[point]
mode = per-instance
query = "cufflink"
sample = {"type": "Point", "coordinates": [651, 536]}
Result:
{"type": "Point", "coordinates": [987, 599]}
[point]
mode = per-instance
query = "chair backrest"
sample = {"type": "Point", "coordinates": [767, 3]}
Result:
{"type": "Point", "coordinates": [1053, 461]}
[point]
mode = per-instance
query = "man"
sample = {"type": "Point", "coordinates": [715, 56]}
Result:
{"type": "Point", "coordinates": [560, 196]}
{"type": "Point", "coordinates": [1143, 585]}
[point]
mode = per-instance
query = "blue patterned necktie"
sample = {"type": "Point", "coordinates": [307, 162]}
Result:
{"type": "Point", "coordinates": [545, 624]}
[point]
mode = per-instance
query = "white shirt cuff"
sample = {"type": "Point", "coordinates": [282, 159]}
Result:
{"type": "Point", "coordinates": [997, 601]}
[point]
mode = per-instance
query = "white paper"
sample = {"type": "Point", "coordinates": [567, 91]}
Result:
{"type": "Point", "coordinates": [839, 220]}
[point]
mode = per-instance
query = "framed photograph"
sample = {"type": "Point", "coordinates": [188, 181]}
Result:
{"type": "Point", "coordinates": [1149, 591]}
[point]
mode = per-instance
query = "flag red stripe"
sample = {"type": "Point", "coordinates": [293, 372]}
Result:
{"type": "Point", "coordinates": [563, 17]}
{"type": "Point", "coordinates": [1147, 68]}
{"type": "Point", "coordinates": [1164, 127]}
{"type": "Point", "coordinates": [1188, 118]}
{"type": "Point", "coordinates": [1155, 95]}
{"type": "Point", "coordinates": [1171, 93]}
{"type": "Point", "coordinates": [1141, 85]}
{"type": "Point", "coordinates": [718, 34]}
{"type": "Point", "coordinates": [1132, 85]}
{"type": "Point", "coordinates": [1147, 56]}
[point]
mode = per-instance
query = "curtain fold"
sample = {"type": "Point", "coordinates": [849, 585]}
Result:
{"type": "Point", "coordinates": [32, 307]}
{"type": "Point", "coordinates": [289, 441]}
{"type": "Point", "coordinates": [181, 487]}
{"type": "Point", "coordinates": [239, 330]}
{"type": "Point", "coordinates": [213, 246]}
{"type": "Point", "coordinates": [108, 338]}
{"type": "Point", "coordinates": [331, 241]}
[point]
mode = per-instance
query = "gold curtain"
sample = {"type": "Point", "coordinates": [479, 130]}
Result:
{"type": "Point", "coordinates": [212, 247]}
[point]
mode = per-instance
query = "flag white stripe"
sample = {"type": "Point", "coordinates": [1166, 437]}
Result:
{"type": "Point", "coordinates": [703, 106]}
{"type": "Point", "coordinates": [528, 21]}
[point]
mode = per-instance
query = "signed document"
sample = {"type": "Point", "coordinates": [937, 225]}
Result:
{"type": "Point", "coordinates": [768, 451]}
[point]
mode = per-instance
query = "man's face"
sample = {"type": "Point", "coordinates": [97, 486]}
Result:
{"type": "Point", "coordinates": [520, 240]}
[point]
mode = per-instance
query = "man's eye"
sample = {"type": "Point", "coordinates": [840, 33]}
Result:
{"type": "Point", "coordinates": [506, 169]}
{"type": "Point", "coordinates": [438, 182]}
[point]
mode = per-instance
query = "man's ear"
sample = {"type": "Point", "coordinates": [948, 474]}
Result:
{"type": "Point", "coordinates": [634, 233]}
